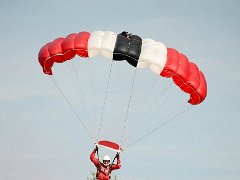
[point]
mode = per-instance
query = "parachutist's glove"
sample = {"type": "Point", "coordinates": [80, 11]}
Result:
{"type": "Point", "coordinates": [117, 155]}
{"type": "Point", "coordinates": [96, 148]}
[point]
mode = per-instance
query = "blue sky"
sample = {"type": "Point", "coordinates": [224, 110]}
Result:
{"type": "Point", "coordinates": [41, 138]}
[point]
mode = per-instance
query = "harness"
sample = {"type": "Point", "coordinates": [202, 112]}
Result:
{"type": "Point", "coordinates": [99, 169]}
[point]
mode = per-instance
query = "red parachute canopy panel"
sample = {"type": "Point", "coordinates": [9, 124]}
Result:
{"type": "Point", "coordinates": [109, 145]}
{"type": "Point", "coordinates": [63, 49]}
{"type": "Point", "coordinates": [186, 75]}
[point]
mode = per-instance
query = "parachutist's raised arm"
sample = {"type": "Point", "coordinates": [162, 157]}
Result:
{"type": "Point", "coordinates": [92, 157]}
{"type": "Point", "coordinates": [118, 165]}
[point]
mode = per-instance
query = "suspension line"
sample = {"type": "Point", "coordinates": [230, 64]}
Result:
{"type": "Point", "coordinates": [104, 102]}
{"type": "Point", "coordinates": [158, 127]}
{"type": "Point", "coordinates": [144, 118]}
{"type": "Point", "coordinates": [71, 107]}
{"type": "Point", "coordinates": [129, 102]}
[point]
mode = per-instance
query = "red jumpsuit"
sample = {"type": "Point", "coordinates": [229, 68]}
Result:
{"type": "Point", "coordinates": [104, 172]}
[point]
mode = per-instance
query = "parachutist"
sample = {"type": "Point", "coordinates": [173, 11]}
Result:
{"type": "Point", "coordinates": [104, 168]}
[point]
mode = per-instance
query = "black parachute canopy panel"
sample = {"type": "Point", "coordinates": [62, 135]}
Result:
{"type": "Point", "coordinates": [127, 47]}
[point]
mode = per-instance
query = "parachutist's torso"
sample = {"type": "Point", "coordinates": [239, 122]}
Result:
{"type": "Point", "coordinates": [104, 172]}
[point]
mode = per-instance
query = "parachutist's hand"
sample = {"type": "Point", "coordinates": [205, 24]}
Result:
{"type": "Point", "coordinates": [96, 148]}
{"type": "Point", "coordinates": [117, 155]}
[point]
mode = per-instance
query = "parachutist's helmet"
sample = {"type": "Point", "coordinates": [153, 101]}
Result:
{"type": "Point", "coordinates": [106, 160]}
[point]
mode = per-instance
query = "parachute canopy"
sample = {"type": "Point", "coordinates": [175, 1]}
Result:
{"type": "Point", "coordinates": [109, 145]}
{"type": "Point", "coordinates": [138, 52]}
